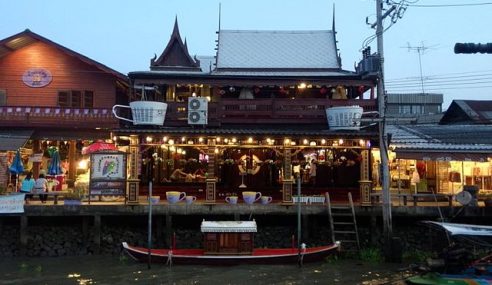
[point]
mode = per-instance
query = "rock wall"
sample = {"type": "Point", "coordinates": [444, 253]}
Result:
{"type": "Point", "coordinates": [67, 238]}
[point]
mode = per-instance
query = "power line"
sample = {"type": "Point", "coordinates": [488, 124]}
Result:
{"type": "Point", "coordinates": [449, 5]}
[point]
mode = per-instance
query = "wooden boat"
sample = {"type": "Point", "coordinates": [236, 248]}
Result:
{"type": "Point", "coordinates": [477, 273]}
{"type": "Point", "coordinates": [230, 243]}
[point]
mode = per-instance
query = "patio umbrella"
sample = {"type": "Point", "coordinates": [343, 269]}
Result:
{"type": "Point", "coordinates": [55, 166]}
{"type": "Point", "coordinates": [16, 167]}
{"type": "Point", "coordinates": [98, 146]}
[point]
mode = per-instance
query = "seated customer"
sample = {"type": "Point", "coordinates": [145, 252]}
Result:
{"type": "Point", "coordinates": [27, 186]}
{"type": "Point", "coordinates": [41, 186]}
{"type": "Point", "coordinates": [178, 175]}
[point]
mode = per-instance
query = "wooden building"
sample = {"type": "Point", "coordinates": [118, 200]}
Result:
{"type": "Point", "coordinates": [252, 117]}
{"type": "Point", "coordinates": [53, 96]}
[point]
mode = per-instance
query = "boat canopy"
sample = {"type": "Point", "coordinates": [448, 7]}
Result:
{"type": "Point", "coordinates": [228, 226]}
{"type": "Point", "coordinates": [464, 229]}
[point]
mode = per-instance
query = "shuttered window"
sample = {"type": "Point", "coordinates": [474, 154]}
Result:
{"type": "Point", "coordinates": [76, 99]}
{"type": "Point", "coordinates": [3, 97]}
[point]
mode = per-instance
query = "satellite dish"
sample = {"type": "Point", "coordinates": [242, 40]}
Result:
{"type": "Point", "coordinates": [464, 198]}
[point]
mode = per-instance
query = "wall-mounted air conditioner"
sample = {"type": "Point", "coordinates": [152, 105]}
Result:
{"type": "Point", "coordinates": [197, 110]}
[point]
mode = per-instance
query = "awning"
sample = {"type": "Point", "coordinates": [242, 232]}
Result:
{"type": "Point", "coordinates": [228, 227]}
{"type": "Point", "coordinates": [443, 156]}
{"type": "Point", "coordinates": [13, 139]}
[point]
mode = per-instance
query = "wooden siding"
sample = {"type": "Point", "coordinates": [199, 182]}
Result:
{"type": "Point", "coordinates": [69, 73]}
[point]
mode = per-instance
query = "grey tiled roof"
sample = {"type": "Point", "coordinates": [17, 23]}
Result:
{"type": "Point", "coordinates": [277, 49]}
{"type": "Point", "coordinates": [442, 138]}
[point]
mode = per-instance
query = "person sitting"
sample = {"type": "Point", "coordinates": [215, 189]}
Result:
{"type": "Point", "coordinates": [41, 186]}
{"type": "Point", "coordinates": [178, 175]}
{"type": "Point", "coordinates": [27, 186]}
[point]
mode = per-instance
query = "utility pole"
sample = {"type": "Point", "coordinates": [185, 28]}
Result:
{"type": "Point", "coordinates": [383, 147]}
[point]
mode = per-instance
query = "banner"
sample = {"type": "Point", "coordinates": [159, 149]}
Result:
{"type": "Point", "coordinates": [12, 203]}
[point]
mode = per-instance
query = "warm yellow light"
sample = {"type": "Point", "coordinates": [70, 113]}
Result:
{"type": "Point", "coordinates": [148, 139]}
{"type": "Point", "coordinates": [190, 142]}
{"type": "Point", "coordinates": [302, 85]}
{"type": "Point", "coordinates": [234, 140]}
{"type": "Point", "coordinates": [313, 143]}
{"type": "Point", "coordinates": [292, 143]}
{"type": "Point", "coordinates": [208, 98]}
{"type": "Point", "coordinates": [164, 139]}
{"type": "Point", "coordinates": [193, 94]}
{"type": "Point", "coordinates": [200, 139]}
{"type": "Point", "coordinates": [172, 148]}
{"type": "Point", "coordinates": [183, 139]}
{"type": "Point", "coordinates": [286, 141]}
{"type": "Point", "coordinates": [216, 151]}
{"type": "Point", "coordinates": [362, 142]}
{"type": "Point", "coordinates": [323, 141]}
{"type": "Point", "coordinates": [217, 139]}
{"type": "Point", "coordinates": [226, 140]}
{"type": "Point", "coordinates": [305, 141]}
{"type": "Point", "coordinates": [83, 164]}
{"type": "Point", "coordinates": [250, 140]}
{"type": "Point", "coordinates": [163, 146]}
{"type": "Point", "coordinates": [183, 152]}
{"type": "Point", "coordinates": [340, 141]}
{"type": "Point", "coordinates": [171, 142]}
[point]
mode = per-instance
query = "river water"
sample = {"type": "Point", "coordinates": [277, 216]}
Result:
{"type": "Point", "coordinates": [120, 270]}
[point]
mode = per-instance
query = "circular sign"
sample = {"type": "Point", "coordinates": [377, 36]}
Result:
{"type": "Point", "coordinates": [37, 77]}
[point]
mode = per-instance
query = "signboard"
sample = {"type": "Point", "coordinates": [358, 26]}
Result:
{"type": "Point", "coordinates": [108, 165]}
{"type": "Point", "coordinates": [12, 203]}
{"type": "Point", "coordinates": [36, 157]}
{"type": "Point", "coordinates": [37, 77]}
{"type": "Point", "coordinates": [108, 173]}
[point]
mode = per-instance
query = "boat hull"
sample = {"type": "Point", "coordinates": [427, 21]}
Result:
{"type": "Point", "coordinates": [259, 256]}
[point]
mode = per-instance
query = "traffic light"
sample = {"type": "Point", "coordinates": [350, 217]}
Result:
{"type": "Point", "coordinates": [472, 48]}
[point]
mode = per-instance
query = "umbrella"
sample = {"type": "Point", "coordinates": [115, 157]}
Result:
{"type": "Point", "coordinates": [55, 167]}
{"type": "Point", "coordinates": [98, 146]}
{"type": "Point", "coordinates": [16, 167]}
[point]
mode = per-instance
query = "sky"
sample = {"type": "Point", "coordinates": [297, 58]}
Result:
{"type": "Point", "coordinates": [125, 35]}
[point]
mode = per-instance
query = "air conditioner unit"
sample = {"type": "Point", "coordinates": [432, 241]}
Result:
{"type": "Point", "coordinates": [197, 110]}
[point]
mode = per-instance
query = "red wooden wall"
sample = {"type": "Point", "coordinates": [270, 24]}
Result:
{"type": "Point", "coordinates": [69, 73]}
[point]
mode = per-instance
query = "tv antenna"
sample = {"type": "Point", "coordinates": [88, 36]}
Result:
{"type": "Point", "coordinates": [421, 51]}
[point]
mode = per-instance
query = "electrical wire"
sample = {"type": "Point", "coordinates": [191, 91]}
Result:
{"type": "Point", "coordinates": [449, 5]}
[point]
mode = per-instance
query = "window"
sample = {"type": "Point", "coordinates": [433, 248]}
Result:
{"type": "Point", "coordinates": [3, 97]}
{"type": "Point", "coordinates": [76, 99]}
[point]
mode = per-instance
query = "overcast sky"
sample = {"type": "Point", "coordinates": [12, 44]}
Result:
{"type": "Point", "coordinates": [124, 35]}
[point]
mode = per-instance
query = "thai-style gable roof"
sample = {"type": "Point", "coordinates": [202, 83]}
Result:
{"type": "Point", "coordinates": [175, 56]}
{"type": "Point", "coordinates": [468, 112]}
{"type": "Point", "coordinates": [277, 51]}
{"type": "Point", "coordinates": [27, 37]}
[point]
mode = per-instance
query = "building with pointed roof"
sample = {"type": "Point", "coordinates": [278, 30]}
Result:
{"type": "Point", "coordinates": [260, 90]}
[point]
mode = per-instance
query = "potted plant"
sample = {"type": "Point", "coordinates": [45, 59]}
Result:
{"type": "Point", "coordinates": [74, 197]}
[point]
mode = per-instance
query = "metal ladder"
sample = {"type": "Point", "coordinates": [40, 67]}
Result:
{"type": "Point", "coordinates": [343, 224]}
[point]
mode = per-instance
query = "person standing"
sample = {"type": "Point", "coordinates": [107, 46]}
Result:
{"type": "Point", "coordinates": [312, 172]}
{"type": "Point", "coordinates": [41, 186]}
{"type": "Point", "coordinates": [27, 186]}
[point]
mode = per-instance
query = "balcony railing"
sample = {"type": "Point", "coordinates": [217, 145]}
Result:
{"type": "Point", "coordinates": [265, 111]}
{"type": "Point", "coordinates": [27, 116]}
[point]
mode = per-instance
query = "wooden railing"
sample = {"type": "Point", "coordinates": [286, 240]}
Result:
{"type": "Point", "coordinates": [56, 116]}
{"type": "Point", "coordinates": [266, 111]}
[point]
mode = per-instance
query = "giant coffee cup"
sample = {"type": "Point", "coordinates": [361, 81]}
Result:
{"type": "Point", "coordinates": [250, 197]}
{"type": "Point", "coordinates": [175, 196]}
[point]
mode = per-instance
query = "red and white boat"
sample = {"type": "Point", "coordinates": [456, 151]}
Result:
{"type": "Point", "coordinates": [229, 243]}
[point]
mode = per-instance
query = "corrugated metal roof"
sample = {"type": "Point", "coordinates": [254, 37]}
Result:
{"type": "Point", "coordinates": [277, 49]}
{"type": "Point", "coordinates": [466, 138]}
{"type": "Point", "coordinates": [13, 139]}
{"type": "Point", "coordinates": [228, 227]}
